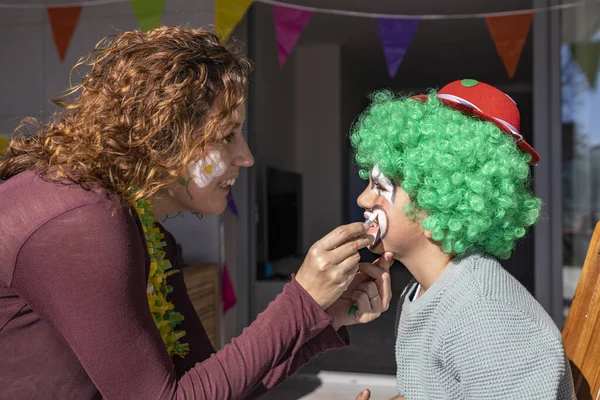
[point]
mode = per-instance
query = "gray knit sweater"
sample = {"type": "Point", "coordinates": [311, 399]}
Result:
{"type": "Point", "coordinates": [477, 333]}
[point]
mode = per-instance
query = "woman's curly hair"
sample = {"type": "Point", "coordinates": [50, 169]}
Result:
{"type": "Point", "coordinates": [148, 105]}
{"type": "Point", "coordinates": [467, 180]}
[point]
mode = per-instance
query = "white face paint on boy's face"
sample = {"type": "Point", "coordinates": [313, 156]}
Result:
{"type": "Point", "coordinates": [386, 191]}
{"type": "Point", "coordinates": [394, 231]}
{"type": "Point", "coordinates": [383, 186]}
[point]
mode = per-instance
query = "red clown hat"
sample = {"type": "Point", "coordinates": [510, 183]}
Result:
{"type": "Point", "coordinates": [487, 103]}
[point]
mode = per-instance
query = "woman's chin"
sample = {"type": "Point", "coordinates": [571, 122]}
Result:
{"type": "Point", "coordinates": [218, 210]}
{"type": "Point", "coordinates": [214, 208]}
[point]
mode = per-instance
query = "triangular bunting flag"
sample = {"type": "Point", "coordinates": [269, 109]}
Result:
{"type": "Point", "coordinates": [586, 55]}
{"type": "Point", "coordinates": [228, 13]}
{"type": "Point", "coordinates": [63, 21]}
{"type": "Point", "coordinates": [148, 13]}
{"type": "Point", "coordinates": [231, 204]}
{"type": "Point", "coordinates": [227, 292]}
{"type": "Point", "coordinates": [509, 34]}
{"type": "Point", "coordinates": [3, 143]}
{"type": "Point", "coordinates": [289, 23]}
{"type": "Point", "coordinates": [396, 37]}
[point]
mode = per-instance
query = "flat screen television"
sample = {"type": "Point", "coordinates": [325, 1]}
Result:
{"type": "Point", "coordinates": [280, 219]}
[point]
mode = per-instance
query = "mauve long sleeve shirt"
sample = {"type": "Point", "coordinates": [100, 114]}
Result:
{"type": "Point", "coordinates": [75, 321]}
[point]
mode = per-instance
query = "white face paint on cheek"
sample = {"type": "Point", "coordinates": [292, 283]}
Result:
{"type": "Point", "coordinates": [387, 187]}
{"type": "Point", "coordinates": [383, 222]}
{"type": "Point", "coordinates": [382, 225]}
{"type": "Point", "coordinates": [207, 169]}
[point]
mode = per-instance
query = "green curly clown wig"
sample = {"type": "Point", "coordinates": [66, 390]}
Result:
{"type": "Point", "coordinates": [467, 180]}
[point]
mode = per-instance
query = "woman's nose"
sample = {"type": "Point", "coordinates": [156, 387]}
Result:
{"type": "Point", "coordinates": [243, 156]}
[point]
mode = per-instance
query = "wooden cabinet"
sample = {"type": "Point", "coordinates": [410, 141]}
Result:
{"type": "Point", "coordinates": [203, 286]}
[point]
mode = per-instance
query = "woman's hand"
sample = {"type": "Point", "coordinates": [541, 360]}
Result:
{"type": "Point", "coordinates": [370, 291]}
{"type": "Point", "coordinates": [366, 395]}
{"type": "Point", "coordinates": [332, 263]}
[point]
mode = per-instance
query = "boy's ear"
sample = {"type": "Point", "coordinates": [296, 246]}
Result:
{"type": "Point", "coordinates": [427, 234]}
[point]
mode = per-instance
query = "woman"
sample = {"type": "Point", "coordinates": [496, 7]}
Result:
{"type": "Point", "coordinates": [91, 301]}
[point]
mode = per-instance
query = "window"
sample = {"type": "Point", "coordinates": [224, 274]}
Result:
{"type": "Point", "coordinates": [580, 104]}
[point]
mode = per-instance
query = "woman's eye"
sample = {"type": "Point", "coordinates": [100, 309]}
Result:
{"type": "Point", "coordinates": [229, 138]}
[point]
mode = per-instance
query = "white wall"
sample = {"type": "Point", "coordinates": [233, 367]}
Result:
{"type": "Point", "coordinates": [274, 96]}
{"type": "Point", "coordinates": [317, 111]}
{"type": "Point", "coordinates": [236, 238]}
{"type": "Point", "coordinates": [296, 111]}
{"type": "Point", "coordinates": [297, 127]}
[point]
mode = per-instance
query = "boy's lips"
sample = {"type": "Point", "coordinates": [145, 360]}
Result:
{"type": "Point", "coordinates": [377, 228]}
{"type": "Point", "coordinates": [373, 229]}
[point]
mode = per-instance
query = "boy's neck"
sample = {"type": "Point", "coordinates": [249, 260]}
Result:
{"type": "Point", "coordinates": [426, 264]}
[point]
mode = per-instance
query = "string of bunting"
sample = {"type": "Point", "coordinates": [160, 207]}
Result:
{"type": "Point", "coordinates": [508, 29]}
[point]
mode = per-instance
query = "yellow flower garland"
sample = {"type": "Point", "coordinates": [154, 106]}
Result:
{"type": "Point", "coordinates": [165, 317]}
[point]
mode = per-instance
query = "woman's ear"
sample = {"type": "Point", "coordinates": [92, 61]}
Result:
{"type": "Point", "coordinates": [427, 234]}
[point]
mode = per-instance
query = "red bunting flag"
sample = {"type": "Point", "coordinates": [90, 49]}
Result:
{"type": "Point", "coordinates": [63, 21]}
{"type": "Point", "coordinates": [289, 23]}
{"type": "Point", "coordinates": [509, 34]}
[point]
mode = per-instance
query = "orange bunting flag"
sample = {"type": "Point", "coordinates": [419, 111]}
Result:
{"type": "Point", "coordinates": [509, 34]}
{"type": "Point", "coordinates": [63, 21]}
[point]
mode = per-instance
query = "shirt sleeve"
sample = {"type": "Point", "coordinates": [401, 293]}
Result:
{"type": "Point", "coordinates": [326, 340]}
{"type": "Point", "coordinates": [201, 348]}
{"type": "Point", "coordinates": [497, 352]}
{"type": "Point", "coordinates": [83, 273]}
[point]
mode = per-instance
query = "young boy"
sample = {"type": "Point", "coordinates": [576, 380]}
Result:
{"type": "Point", "coordinates": [450, 190]}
